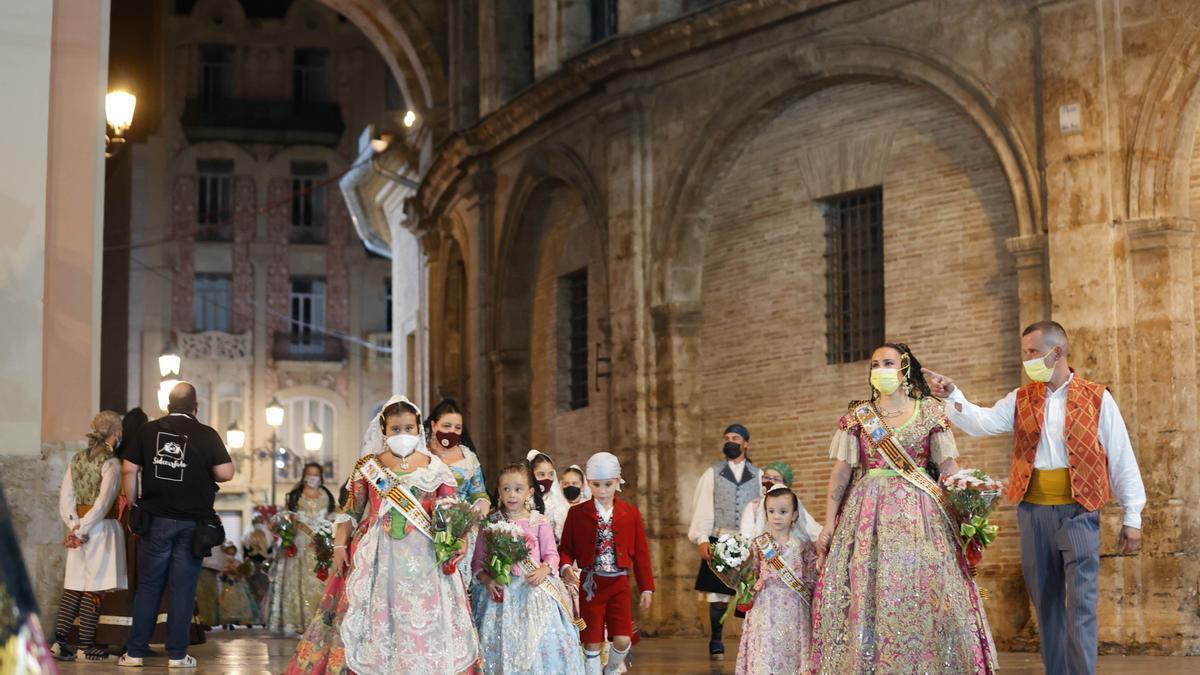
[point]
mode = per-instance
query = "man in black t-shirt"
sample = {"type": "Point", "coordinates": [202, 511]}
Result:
{"type": "Point", "coordinates": [181, 461]}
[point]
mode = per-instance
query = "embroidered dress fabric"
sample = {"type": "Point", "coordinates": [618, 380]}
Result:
{"type": "Point", "coordinates": [777, 634]}
{"type": "Point", "coordinates": [401, 614]}
{"type": "Point", "coordinates": [468, 487]}
{"type": "Point", "coordinates": [236, 606]}
{"type": "Point", "coordinates": [295, 589]}
{"type": "Point", "coordinates": [529, 632]}
{"type": "Point", "coordinates": [894, 595]}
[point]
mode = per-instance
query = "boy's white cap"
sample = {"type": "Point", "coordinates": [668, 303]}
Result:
{"type": "Point", "coordinates": [605, 466]}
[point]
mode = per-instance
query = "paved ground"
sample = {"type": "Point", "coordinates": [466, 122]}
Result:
{"type": "Point", "coordinates": [246, 652]}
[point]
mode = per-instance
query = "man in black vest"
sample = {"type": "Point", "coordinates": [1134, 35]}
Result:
{"type": "Point", "coordinates": [724, 490]}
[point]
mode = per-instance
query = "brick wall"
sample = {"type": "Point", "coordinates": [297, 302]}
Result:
{"type": "Point", "coordinates": [183, 228]}
{"type": "Point", "coordinates": [245, 216]}
{"type": "Point", "coordinates": [950, 286]}
{"type": "Point", "coordinates": [569, 244]}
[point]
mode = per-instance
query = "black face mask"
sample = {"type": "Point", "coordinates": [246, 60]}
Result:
{"type": "Point", "coordinates": [732, 450]}
{"type": "Point", "coordinates": [572, 493]}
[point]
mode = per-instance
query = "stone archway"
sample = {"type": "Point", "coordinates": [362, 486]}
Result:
{"type": "Point", "coordinates": [801, 72]}
{"type": "Point", "coordinates": [1158, 160]}
{"type": "Point", "coordinates": [554, 197]}
{"type": "Point", "coordinates": [407, 48]}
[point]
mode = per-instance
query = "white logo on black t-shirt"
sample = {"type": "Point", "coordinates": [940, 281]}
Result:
{"type": "Point", "coordinates": [170, 451]}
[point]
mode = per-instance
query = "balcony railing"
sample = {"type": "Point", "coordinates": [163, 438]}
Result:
{"type": "Point", "coordinates": [280, 122]}
{"type": "Point", "coordinates": [379, 360]}
{"type": "Point", "coordinates": [308, 347]}
{"type": "Point", "coordinates": [216, 345]}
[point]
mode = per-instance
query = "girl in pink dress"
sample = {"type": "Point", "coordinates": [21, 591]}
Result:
{"type": "Point", "coordinates": [526, 625]}
{"type": "Point", "coordinates": [777, 636]}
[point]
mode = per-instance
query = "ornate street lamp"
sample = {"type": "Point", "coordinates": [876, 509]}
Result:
{"type": "Point", "coordinates": [118, 112]}
{"type": "Point", "coordinates": [235, 438]}
{"type": "Point", "coordinates": [313, 438]}
{"type": "Point", "coordinates": [275, 419]}
{"type": "Point", "coordinates": [169, 360]}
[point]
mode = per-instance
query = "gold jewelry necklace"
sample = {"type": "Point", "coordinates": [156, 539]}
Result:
{"type": "Point", "coordinates": [404, 463]}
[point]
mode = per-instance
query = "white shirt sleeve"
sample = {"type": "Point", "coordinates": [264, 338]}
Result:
{"type": "Point", "coordinates": [110, 487]}
{"type": "Point", "coordinates": [66, 501]}
{"type": "Point", "coordinates": [702, 509]}
{"type": "Point", "coordinates": [979, 421]}
{"type": "Point", "coordinates": [1123, 472]}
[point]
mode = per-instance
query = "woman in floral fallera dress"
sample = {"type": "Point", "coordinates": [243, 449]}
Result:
{"type": "Point", "coordinates": [895, 594]}
{"type": "Point", "coordinates": [295, 589]}
{"type": "Point", "coordinates": [397, 611]}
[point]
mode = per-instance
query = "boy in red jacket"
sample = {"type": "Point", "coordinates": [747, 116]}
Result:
{"type": "Point", "coordinates": [605, 538]}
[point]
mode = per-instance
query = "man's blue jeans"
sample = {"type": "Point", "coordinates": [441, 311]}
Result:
{"type": "Point", "coordinates": [166, 559]}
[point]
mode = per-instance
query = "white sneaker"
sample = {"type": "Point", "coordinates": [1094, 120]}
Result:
{"type": "Point", "coordinates": [127, 661]}
{"type": "Point", "coordinates": [188, 661]}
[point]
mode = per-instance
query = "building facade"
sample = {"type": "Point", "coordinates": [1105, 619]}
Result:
{"type": "Point", "coordinates": [243, 254]}
{"type": "Point", "coordinates": [643, 219]}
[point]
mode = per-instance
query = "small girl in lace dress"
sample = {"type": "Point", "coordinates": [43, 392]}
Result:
{"type": "Point", "coordinates": [777, 636]}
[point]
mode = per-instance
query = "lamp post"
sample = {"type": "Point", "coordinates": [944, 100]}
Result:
{"type": "Point", "coordinates": [169, 360]}
{"type": "Point", "coordinates": [313, 438]}
{"type": "Point", "coordinates": [235, 438]}
{"type": "Point", "coordinates": [274, 419]}
{"type": "Point", "coordinates": [118, 113]}
{"type": "Point", "coordinates": [164, 391]}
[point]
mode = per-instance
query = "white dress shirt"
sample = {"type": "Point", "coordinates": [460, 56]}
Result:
{"type": "Point", "coordinates": [702, 503]}
{"type": "Point", "coordinates": [1123, 473]}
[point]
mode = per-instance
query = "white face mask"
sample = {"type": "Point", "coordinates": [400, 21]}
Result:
{"type": "Point", "coordinates": [313, 481]}
{"type": "Point", "coordinates": [402, 445]}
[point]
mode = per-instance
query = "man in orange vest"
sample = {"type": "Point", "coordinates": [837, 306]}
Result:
{"type": "Point", "coordinates": [1071, 451]}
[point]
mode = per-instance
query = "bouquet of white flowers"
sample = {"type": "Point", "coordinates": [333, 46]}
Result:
{"type": "Point", "coordinates": [731, 562]}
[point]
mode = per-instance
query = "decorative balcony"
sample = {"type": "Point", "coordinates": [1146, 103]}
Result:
{"type": "Point", "coordinates": [379, 360]}
{"type": "Point", "coordinates": [215, 345]}
{"type": "Point", "coordinates": [278, 122]}
{"type": "Point", "coordinates": [308, 347]}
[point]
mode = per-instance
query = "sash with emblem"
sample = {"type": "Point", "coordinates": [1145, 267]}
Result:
{"type": "Point", "coordinates": [396, 496]}
{"type": "Point", "coordinates": [553, 587]}
{"type": "Point", "coordinates": [770, 552]}
{"type": "Point", "coordinates": [884, 441]}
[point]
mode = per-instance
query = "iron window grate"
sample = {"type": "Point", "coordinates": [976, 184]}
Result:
{"type": "Point", "coordinates": [575, 286]}
{"type": "Point", "coordinates": [854, 274]}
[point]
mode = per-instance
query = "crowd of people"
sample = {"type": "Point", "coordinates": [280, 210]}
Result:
{"type": "Point", "coordinates": [881, 585]}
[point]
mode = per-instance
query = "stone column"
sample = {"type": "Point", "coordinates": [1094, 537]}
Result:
{"type": "Point", "coordinates": [677, 399]}
{"type": "Point", "coordinates": [629, 182]}
{"type": "Point", "coordinates": [54, 59]}
{"type": "Point", "coordinates": [1029, 252]}
{"type": "Point", "coordinates": [478, 254]}
{"type": "Point", "coordinates": [1164, 431]}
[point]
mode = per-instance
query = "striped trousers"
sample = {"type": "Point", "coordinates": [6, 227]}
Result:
{"type": "Point", "coordinates": [1060, 557]}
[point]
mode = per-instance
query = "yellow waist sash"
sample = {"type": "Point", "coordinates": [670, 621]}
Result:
{"type": "Point", "coordinates": [1051, 487]}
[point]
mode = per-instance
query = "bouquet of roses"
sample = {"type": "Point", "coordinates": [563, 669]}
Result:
{"type": "Point", "coordinates": [285, 529]}
{"type": "Point", "coordinates": [322, 543]}
{"type": "Point", "coordinates": [452, 520]}
{"type": "Point", "coordinates": [732, 563]}
{"type": "Point", "coordinates": [506, 546]}
{"type": "Point", "coordinates": [973, 494]}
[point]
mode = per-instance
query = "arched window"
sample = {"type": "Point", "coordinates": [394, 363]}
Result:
{"type": "Point", "coordinates": [299, 413]}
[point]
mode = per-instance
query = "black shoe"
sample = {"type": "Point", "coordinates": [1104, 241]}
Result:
{"type": "Point", "coordinates": [716, 650]}
{"type": "Point", "coordinates": [64, 653]}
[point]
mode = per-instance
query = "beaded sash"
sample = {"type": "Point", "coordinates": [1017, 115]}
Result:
{"type": "Point", "coordinates": [555, 590]}
{"type": "Point", "coordinates": [769, 550]}
{"type": "Point", "coordinates": [396, 496]}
